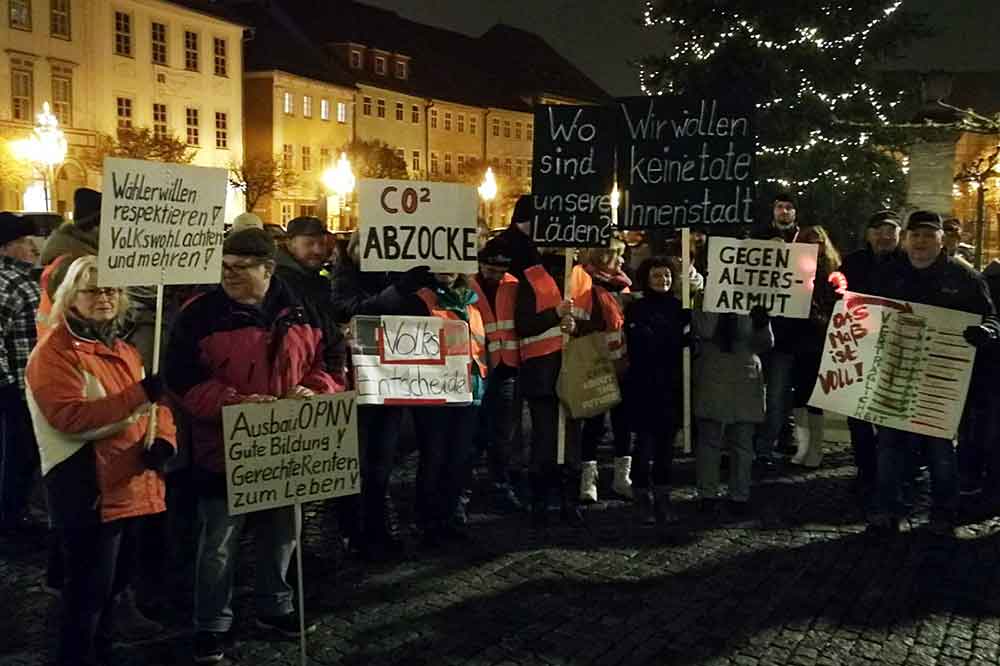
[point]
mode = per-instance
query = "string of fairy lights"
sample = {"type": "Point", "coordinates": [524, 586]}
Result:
{"type": "Point", "coordinates": [698, 47]}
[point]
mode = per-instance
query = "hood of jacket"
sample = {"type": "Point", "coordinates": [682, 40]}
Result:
{"type": "Point", "coordinates": [69, 239]}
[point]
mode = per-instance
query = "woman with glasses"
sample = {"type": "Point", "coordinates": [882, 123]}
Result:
{"type": "Point", "coordinates": [90, 406]}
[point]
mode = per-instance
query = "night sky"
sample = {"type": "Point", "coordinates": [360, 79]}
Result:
{"type": "Point", "coordinates": [599, 36]}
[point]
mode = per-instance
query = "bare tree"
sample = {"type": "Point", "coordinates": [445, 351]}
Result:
{"type": "Point", "coordinates": [140, 143]}
{"type": "Point", "coordinates": [259, 177]}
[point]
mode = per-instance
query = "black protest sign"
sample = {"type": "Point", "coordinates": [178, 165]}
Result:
{"type": "Point", "coordinates": [572, 175]}
{"type": "Point", "coordinates": [685, 161]}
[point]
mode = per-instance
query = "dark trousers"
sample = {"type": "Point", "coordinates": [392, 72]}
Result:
{"type": "Point", "coordinates": [895, 448]}
{"type": "Point", "coordinates": [445, 438]}
{"type": "Point", "coordinates": [863, 440]}
{"type": "Point", "coordinates": [654, 456]}
{"type": "Point", "coordinates": [378, 442]}
{"type": "Point", "coordinates": [98, 561]}
{"type": "Point", "coordinates": [974, 436]}
{"type": "Point", "coordinates": [593, 434]}
{"type": "Point", "coordinates": [496, 427]}
{"type": "Point", "coordinates": [18, 455]}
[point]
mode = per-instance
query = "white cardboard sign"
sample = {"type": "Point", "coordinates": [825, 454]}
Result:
{"type": "Point", "coordinates": [744, 273]}
{"type": "Point", "coordinates": [291, 451]}
{"type": "Point", "coordinates": [161, 223]}
{"type": "Point", "coordinates": [406, 223]}
{"type": "Point", "coordinates": [896, 364]}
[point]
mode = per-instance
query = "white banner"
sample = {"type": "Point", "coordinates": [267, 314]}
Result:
{"type": "Point", "coordinates": [411, 361]}
{"type": "Point", "coordinates": [744, 273]}
{"type": "Point", "coordinates": [161, 223]}
{"type": "Point", "coordinates": [291, 451]}
{"type": "Point", "coordinates": [406, 223]}
{"type": "Point", "coordinates": [896, 364]}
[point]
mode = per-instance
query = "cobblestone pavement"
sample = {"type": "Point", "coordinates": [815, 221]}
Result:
{"type": "Point", "coordinates": [798, 583]}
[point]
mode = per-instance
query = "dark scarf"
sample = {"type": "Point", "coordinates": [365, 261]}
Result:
{"type": "Point", "coordinates": [612, 281]}
{"type": "Point", "coordinates": [105, 333]}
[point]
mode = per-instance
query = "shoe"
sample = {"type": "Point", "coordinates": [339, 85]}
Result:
{"type": "Point", "coordinates": [460, 515]}
{"type": "Point", "coordinates": [588, 482]}
{"type": "Point", "coordinates": [644, 507]}
{"type": "Point", "coordinates": [622, 484]}
{"type": "Point", "coordinates": [287, 625]}
{"type": "Point", "coordinates": [941, 526]}
{"type": "Point", "coordinates": [505, 500]}
{"type": "Point", "coordinates": [569, 508]}
{"type": "Point", "coordinates": [766, 466]}
{"type": "Point", "coordinates": [209, 647]}
{"type": "Point", "coordinates": [129, 622]}
{"type": "Point", "coordinates": [970, 488]}
{"type": "Point", "coordinates": [663, 509]}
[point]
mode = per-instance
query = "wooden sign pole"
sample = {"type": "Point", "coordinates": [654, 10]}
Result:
{"type": "Point", "coordinates": [561, 432]}
{"type": "Point", "coordinates": [303, 656]}
{"type": "Point", "coordinates": [157, 336]}
{"type": "Point", "coordinates": [686, 358]}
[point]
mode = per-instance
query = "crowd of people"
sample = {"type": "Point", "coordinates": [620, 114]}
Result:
{"type": "Point", "coordinates": [112, 440]}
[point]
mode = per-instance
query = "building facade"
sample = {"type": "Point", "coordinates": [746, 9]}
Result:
{"type": "Point", "coordinates": [109, 64]}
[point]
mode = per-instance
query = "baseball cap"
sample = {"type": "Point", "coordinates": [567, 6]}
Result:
{"type": "Point", "coordinates": [923, 218]}
{"type": "Point", "coordinates": [305, 226]}
{"type": "Point", "coordinates": [250, 243]}
{"type": "Point", "coordinates": [884, 217]}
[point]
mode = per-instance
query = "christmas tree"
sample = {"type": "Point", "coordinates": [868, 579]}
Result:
{"type": "Point", "coordinates": [825, 112]}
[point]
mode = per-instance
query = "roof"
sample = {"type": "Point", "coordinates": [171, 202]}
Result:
{"type": "Point", "coordinates": [503, 68]}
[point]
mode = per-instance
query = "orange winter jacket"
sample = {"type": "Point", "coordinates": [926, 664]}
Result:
{"type": "Point", "coordinates": [90, 416]}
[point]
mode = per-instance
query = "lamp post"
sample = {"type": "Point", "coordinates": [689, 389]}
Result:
{"type": "Point", "coordinates": [488, 190]}
{"type": "Point", "coordinates": [47, 147]}
{"type": "Point", "coordinates": [340, 179]}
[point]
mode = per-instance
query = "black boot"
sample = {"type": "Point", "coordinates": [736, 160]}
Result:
{"type": "Point", "coordinates": [539, 500]}
{"type": "Point", "coordinates": [383, 538]}
{"type": "Point", "coordinates": [570, 510]}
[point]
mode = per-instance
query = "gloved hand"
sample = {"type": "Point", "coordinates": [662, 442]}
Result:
{"type": "Point", "coordinates": [415, 279]}
{"type": "Point", "coordinates": [759, 316]}
{"type": "Point", "coordinates": [156, 456]}
{"type": "Point", "coordinates": [979, 335]}
{"type": "Point", "coordinates": [154, 387]}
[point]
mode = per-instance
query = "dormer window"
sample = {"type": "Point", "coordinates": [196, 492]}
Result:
{"type": "Point", "coordinates": [380, 65]}
{"type": "Point", "coordinates": [401, 69]}
{"type": "Point", "coordinates": [356, 61]}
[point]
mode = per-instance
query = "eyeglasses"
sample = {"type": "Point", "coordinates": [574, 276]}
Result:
{"type": "Point", "coordinates": [108, 292]}
{"type": "Point", "coordinates": [239, 268]}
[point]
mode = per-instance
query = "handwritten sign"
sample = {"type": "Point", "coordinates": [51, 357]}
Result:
{"type": "Point", "coordinates": [406, 224]}
{"type": "Point", "coordinates": [161, 223]}
{"type": "Point", "coordinates": [684, 161]}
{"type": "Point", "coordinates": [572, 176]}
{"type": "Point", "coordinates": [896, 364]}
{"type": "Point", "coordinates": [744, 273]}
{"type": "Point", "coordinates": [291, 451]}
{"type": "Point", "coordinates": [411, 361]}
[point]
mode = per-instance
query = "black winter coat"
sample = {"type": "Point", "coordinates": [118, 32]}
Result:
{"type": "Point", "coordinates": [654, 383]}
{"type": "Point", "coordinates": [357, 293]}
{"type": "Point", "coordinates": [861, 268]}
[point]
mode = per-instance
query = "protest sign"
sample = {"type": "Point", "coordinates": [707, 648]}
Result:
{"type": "Point", "coordinates": [411, 361]}
{"type": "Point", "coordinates": [406, 224]}
{"type": "Point", "coordinates": [572, 175]}
{"type": "Point", "coordinates": [291, 451]}
{"type": "Point", "coordinates": [896, 364]}
{"type": "Point", "coordinates": [744, 273]}
{"type": "Point", "coordinates": [161, 223]}
{"type": "Point", "coordinates": [685, 161]}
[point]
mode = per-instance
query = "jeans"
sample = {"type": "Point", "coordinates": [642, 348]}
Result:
{"type": "Point", "coordinates": [654, 456]}
{"type": "Point", "coordinates": [218, 547]}
{"type": "Point", "coordinates": [593, 434]}
{"type": "Point", "coordinates": [893, 448]}
{"type": "Point", "coordinates": [99, 561]}
{"type": "Point", "coordinates": [711, 435]}
{"type": "Point", "coordinates": [496, 425]}
{"type": "Point", "coordinates": [18, 455]}
{"type": "Point", "coordinates": [445, 438]}
{"type": "Point", "coordinates": [779, 378]}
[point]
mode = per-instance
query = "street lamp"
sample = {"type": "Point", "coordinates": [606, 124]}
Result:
{"type": "Point", "coordinates": [46, 148]}
{"type": "Point", "coordinates": [340, 179]}
{"type": "Point", "coordinates": [488, 189]}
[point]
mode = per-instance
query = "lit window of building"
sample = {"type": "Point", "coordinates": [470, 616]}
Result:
{"type": "Point", "coordinates": [341, 112]}
{"type": "Point", "coordinates": [324, 109]}
{"type": "Point", "coordinates": [306, 158]}
{"type": "Point", "coordinates": [307, 106]}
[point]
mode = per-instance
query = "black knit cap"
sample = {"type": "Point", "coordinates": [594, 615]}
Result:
{"type": "Point", "coordinates": [86, 208]}
{"type": "Point", "coordinates": [305, 226]}
{"type": "Point", "coordinates": [250, 243]}
{"type": "Point", "coordinates": [884, 217]}
{"type": "Point", "coordinates": [496, 252]}
{"type": "Point", "coordinates": [924, 218]}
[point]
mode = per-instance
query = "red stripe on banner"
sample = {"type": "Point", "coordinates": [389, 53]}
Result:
{"type": "Point", "coordinates": [855, 301]}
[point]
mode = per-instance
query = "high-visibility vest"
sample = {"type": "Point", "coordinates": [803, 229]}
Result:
{"type": "Point", "coordinates": [477, 332]}
{"type": "Point", "coordinates": [44, 302]}
{"type": "Point", "coordinates": [501, 338]}
{"type": "Point", "coordinates": [547, 297]}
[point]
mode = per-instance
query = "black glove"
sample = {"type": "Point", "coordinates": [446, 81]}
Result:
{"type": "Point", "coordinates": [415, 279]}
{"type": "Point", "coordinates": [759, 316]}
{"type": "Point", "coordinates": [157, 455]}
{"type": "Point", "coordinates": [979, 335]}
{"type": "Point", "coordinates": [154, 387]}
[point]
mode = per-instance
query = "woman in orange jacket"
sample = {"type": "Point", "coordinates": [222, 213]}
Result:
{"type": "Point", "coordinates": [90, 407]}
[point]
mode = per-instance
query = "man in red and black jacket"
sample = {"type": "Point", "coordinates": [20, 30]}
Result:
{"type": "Point", "coordinates": [249, 340]}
